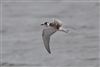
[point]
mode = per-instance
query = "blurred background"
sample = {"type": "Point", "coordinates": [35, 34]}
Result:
{"type": "Point", "coordinates": [22, 44]}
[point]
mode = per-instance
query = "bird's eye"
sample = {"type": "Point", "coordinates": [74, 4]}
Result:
{"type": "Point", "coordinates": [45, 23]}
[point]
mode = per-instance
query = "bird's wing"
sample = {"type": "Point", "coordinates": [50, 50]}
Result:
{"type": "Point", "coordinates": [46, 37]}
{"type": "Point", "coordinates": [58, 21]}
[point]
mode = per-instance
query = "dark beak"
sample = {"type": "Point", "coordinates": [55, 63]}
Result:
{"type": "Point", "coordinates": [42, 24]}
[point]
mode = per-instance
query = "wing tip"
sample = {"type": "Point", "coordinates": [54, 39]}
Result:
{"type": "Point", "coordinates": [49, 51]}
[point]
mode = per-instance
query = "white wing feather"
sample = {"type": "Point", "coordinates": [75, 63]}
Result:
{"type": "Point", "coordinates": [58, 21]}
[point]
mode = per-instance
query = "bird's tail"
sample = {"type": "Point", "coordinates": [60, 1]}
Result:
{"type": "Point", "coordinates": [64, 30]}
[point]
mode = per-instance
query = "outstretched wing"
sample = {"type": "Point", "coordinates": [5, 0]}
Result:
{"type": "Point", "coordinates": [46, 37]}
{"type": "Point", "coordinates": [57, 21]}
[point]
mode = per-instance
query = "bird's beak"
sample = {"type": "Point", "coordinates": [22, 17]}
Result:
{"type": "Point", "coordinates": [42, 24]}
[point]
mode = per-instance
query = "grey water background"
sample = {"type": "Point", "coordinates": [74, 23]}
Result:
{"type": "Point", "coordinates": [22, 44]}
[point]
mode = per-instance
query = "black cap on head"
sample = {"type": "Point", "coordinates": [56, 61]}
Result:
{"type": "Point", "coordinates": [45, 23]}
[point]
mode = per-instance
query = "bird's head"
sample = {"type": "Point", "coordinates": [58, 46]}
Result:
{"type": "Point", "coordinates": [45, 23]}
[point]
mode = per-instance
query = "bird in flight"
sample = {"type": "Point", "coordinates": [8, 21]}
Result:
{"type": "Point", "coordinates": [51, 28]}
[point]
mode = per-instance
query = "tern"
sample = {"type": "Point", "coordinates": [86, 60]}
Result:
{"type": "Point", "coordinates": [50, 29]}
